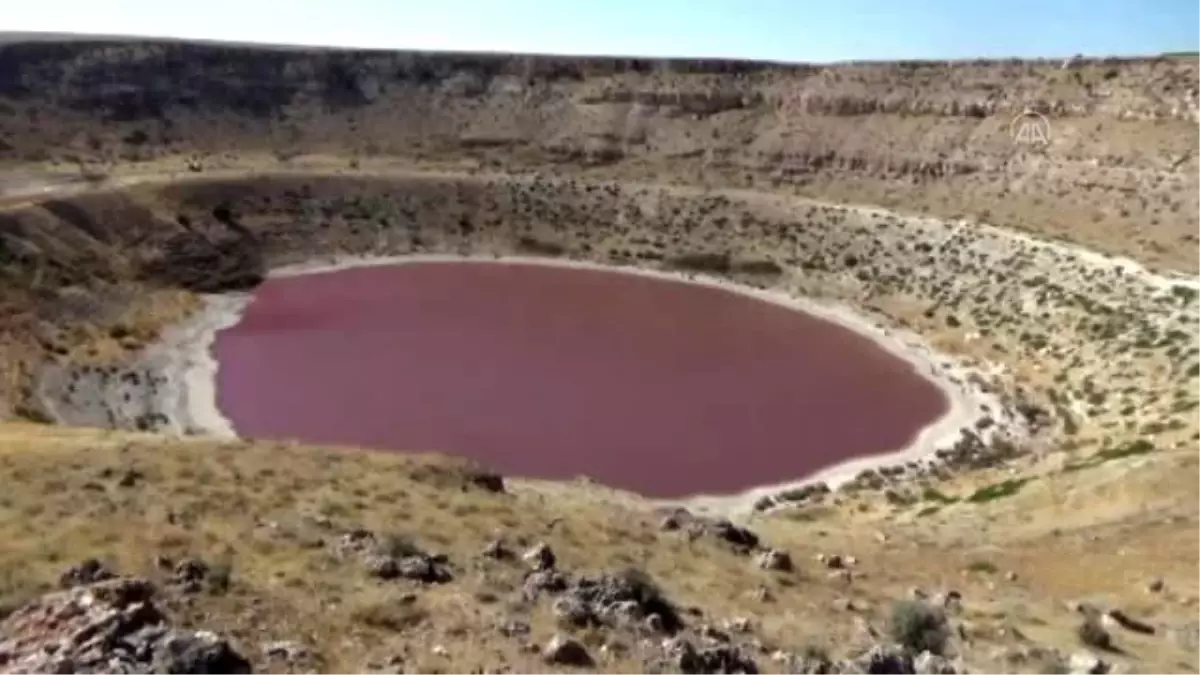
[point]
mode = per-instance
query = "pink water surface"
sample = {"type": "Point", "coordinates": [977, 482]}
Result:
{"type": "Point", "coordinates": [665, 388]}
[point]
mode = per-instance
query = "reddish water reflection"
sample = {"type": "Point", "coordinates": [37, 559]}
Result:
{"type": "Point", "coordinates": [664, 388]}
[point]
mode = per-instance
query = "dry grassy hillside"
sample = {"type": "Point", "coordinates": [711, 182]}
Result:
{"type": "Point", "coordinates": [138, 177]}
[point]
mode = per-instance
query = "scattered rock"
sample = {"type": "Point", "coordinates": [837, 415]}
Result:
{"type": "Point", "coordinates": [382, 567]}
{"type": "Point", "coordinates": [1086, 663]}
{"type": "Point", "coordinates": [833, 562]}
{"type": "Point", "coordinates": [723, 659]}
{"type": "Point", "coordinates": [130, 478]}
{"type": "Point", "coordinates": [843, 605]}
{"type": "Point", "coordinates": [540, 557]}
{"type": "Point", "coordinates": [566, 651]}
{"type": "Point", "coordinates": [424, 568]}
{"type": "Point", "coordinates": [843, 576]}
{"type": "Point", "coordinates": [287, 650]}
{"type": "Point", "coordinates": [880, 659]}
{"type": "Point", "coordinates": [486, 480]}
{"type": "Point", "coordinates": [572, 612]}
{"type": "Point", "coordinates": [543, 581]}
{"type": "Point", "coordinates": [740, 624]}
{"type": "Point", "coordinates": [189, 575]}
{"type": "Point", "coordinates": [775, 560]}
{"type": "Point", "coordinates": [928, 663]}
{"type": "Point", "coordinates": [355, 542]}
{"type": "Point", "coordinates": [627, 596]}
{"type": "Point", "coordinates": [675, 520]}
{"type": "Point", "coordinates": [89, 571]}
{"type": "Point", "coordinates": [951, 600]}
{"type": "Point", "coordinates": [497, 550]}
{"type": "Point", "coordinates": [740, 537]}
{"type": "Point", "coordinates": [108, 626]}
{"type": "Point", "coordinates": [1155, 586]}
{"type": "Point", "coordinates": [515, 628]}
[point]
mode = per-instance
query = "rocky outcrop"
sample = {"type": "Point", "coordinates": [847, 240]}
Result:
{"type": "Point", "coordinates": [111, 625]}
{"type": "Point", "coordinates": [389, 557]}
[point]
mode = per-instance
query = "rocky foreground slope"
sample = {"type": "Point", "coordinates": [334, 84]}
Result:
{"type": "Point", "coordinates": [139, 177]}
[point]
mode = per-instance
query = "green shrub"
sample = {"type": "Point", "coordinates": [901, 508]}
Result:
{"type": "Point", "coordinates": [219, 578]}
{"type": "Point", "coordinates": [919, 626]}
{"type": "Point", "coordinates": [997, 490]}
{"type": "Point", "coordinates": [396, 546]}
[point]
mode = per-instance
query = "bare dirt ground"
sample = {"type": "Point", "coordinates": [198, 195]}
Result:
{"type": "Point", "coordinates": [140, 176]}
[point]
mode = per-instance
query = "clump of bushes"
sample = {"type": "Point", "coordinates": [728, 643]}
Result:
{"type": "Point", "coordinates": [703, 262]}
{"type": "Point", "coordinates": [997, 490]}
{"type": "Point", "coordinates": [919, 626]}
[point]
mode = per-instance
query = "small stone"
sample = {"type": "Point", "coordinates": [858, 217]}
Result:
{"type": "Point", "coordinates": [1011, 576]}
{"type": "Point", "coordinates": [951, 600]}
{"type": "Point", "coordinates": [90, 571]}
{"type": "Point", "coordinates": [834, 562]}
{"type": "Point", "coordinates": [928, 663]}
{"type": "Point", "coordinates": [130, 478]}
{"type": "Point", "coordinates": [572, 612]}
{"type": "Point", "coordinates": [286, 650]}
{"type": "Point", "coordinates": [1155, 586]}
{"type": "Point", "coordinates": [738, 536]}
{"type": "Point", "coordinates": [654, 623]}
{"type": "Point", "coordinates": [190, 574]}
{"type": "Point", "coordinates": [514, 628]}
{"type": "Point", "coordinates": [540, 557]}
{"type": "Point", "coordinates": [1086, 663]}
{"type": "Point", "coordinates": [675, 520]}
{"type": "Point", "coordinates": [497, 550]}
{"type": "Point", "coordinates": [382, 567]}
{"type": "Point", "coordinates": [775, 560]}
{"type": "Point", "coordinates": [543, 581]}
{"type": "Point", "coordinates": [424, 568]}
{"type": "Point", "coordinates": [740, 624]}
{"type": "Point", "coordinates": [486, 480]}
{"type": "Point", "coordinates": [841, 576]}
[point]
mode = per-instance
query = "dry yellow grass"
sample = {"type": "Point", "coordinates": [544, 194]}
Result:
{"type": "Point", "coordinates": [258, 507]}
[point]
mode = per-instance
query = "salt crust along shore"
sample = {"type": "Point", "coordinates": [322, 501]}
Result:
{"type": "Point", "coordinates": [190, 399]}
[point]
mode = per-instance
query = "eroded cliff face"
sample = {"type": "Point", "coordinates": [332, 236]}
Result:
{"type": "Point", "coordinates": [1118, 174]}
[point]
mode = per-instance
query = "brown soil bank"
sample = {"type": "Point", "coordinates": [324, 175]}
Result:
{"type": "Point", "coordinates": [664, 388]}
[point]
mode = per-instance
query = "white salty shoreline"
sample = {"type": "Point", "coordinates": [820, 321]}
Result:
{"type": "Point", "coordinates": [192, 403]}
{"type": "Point", "coordinates": [184, 357]}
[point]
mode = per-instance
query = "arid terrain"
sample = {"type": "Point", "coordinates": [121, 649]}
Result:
{"type": "Point", "coordinates": [140, 179]}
